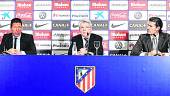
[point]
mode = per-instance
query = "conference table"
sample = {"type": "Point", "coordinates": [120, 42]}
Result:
{"type": "Point", "coordinates": [55, 75]}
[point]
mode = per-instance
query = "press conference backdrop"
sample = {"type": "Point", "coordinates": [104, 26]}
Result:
{"type": "Point", "coordinates": [54, 22]}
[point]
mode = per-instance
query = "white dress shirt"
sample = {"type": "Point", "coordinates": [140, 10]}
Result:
{"type": "Point", "coordinates": [18, 44]}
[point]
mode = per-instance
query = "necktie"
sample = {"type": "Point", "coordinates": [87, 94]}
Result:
{"type": "Point", "coordinates": [86, 43]}
{"type": "Point", "coordinates": [15, 43]}
{"type": "Point", "coordinates": [154, 42]}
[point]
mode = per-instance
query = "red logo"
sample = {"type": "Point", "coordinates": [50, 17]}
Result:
{"type": "Point", "coordinates": [42, 35]}
{"type": "Point", "coordinates": [85, 77]}
{"type": "Point", "coordinates": [119, 35]}
{"type": "Point", "coordinates": [105, 45]}
{"type": "Point", "coordinates": [137, 5]}
{"type": "Point", "coordinates": [168, 5]}
{"type": "Point", "coordinates": [118, 15]}
{"type": "Point", "coordinates": [24, 15]}
{"type": "Point", "coordinates": [61, 5]}
{"type": "Point", "coordinates": [24, 6]}
{"type": "Point", "coordinates": [98, 5]}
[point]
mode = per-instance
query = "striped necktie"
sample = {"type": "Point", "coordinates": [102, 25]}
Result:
{"type": "Point", "coordinates": [86, 43]}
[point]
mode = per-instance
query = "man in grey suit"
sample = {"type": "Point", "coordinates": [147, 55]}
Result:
{"type": "Point", "coordinates": [154, 43]}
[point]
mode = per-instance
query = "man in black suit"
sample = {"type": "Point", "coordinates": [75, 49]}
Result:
{"type": "Point", "coordinates": [85, 40]}
{"type": "Point", "coordinates": [155, 42]}
{"type": "Point", "coordinates": [17, 43]}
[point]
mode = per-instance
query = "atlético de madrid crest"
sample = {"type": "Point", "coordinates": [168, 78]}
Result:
{"type": "Point", "coordinates": [85, 77]}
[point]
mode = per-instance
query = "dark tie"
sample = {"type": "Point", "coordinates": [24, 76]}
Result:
{"type": "Point", "coordinates": [154, 42]}
{"type": "Point", "coordinates": [86, 43]}
{"type": "Point", "coordinates": [15, 43]}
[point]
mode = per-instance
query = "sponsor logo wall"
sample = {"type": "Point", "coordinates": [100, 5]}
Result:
{"type": "Point", "coordinates": [54, 22]}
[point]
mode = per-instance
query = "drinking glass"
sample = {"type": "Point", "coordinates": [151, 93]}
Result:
{"type": "Point", "coordinates": [97, 45]}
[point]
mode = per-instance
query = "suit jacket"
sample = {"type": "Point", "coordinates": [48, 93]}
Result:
{"type": "Point", "coordinates": [144, 44]}
{"type": "Point", "coordinates": [26, 43]}
{"type": "Point", "coordinates": [79, 43]}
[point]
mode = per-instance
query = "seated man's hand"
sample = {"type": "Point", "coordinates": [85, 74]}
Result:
{"type": "Point", "coordinates": [13, 51]}
{"type": "Point", "coordinates": [164, 54]}
{"type": "Point", "coordinates": [154, 53]}
{"type": "Point", "coordinates": [82, 51]}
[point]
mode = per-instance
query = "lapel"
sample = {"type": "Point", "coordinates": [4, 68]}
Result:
{"type": "Point", "coordinates": [10, 42]}
{"type": "Point", "coordinates": [91, 41]}
{"type": "Point", "coordinates": [22, 41]}
{"type": "Point", "coordinates": [148, 41]}
{"type": "Point", "coordinates": [160, 40]}
{"type": "Point", "coordinates": [80, 42]}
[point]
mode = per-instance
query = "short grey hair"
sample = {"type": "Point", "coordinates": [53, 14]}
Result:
{"type": "Point", "coordinates": [85, 21]}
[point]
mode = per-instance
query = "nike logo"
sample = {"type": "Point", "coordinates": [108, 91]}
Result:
{"type": "Point", "coordinates": [75, 26]}
{"type": "Point", "coordinates": [1, 26]}
{"type": "Point", "coordinates": [114, 26]}
{"type": "Point", "coordinates": [37, 26]}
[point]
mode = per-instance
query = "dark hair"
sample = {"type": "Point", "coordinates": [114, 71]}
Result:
{"type": "Point", "coordinates": [16, 20]}
{"type": "Point", "coordinates": [158, 22]}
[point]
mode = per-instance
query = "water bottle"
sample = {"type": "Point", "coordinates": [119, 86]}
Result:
{"type": "Point", "coordinates": [74, 49]}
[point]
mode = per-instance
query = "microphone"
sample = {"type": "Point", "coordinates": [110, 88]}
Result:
{"type": "Point", "coordinates": [87, 34]}
{"type": "Point", "coordinates": [154, 35]}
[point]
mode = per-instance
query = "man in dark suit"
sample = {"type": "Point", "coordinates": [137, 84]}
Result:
{"type": "Point", "coordinates": [155, 42]}
{"type": "Point", "coordinates": [85, 41]}
{"type": "Point", "coordinates": [17, 43]}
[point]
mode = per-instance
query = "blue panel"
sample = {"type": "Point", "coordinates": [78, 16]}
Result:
{"type": "Point", "coordinates": [54, 76]}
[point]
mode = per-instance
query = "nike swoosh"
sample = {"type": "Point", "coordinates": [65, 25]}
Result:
{"type": "Point", "coordinates": [75, 26]}
{"type": "Point", "coordinates": [1, 26]}
{"type": "Point", "coordinates": [114, 26]}
{"type": "Point", "coordinates": [37, 26]}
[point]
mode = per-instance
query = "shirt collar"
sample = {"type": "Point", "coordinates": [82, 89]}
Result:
{"type": "Point", "coordinates": [17, 37]}
{"type": "Point", "coordinates": [87, 37]}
